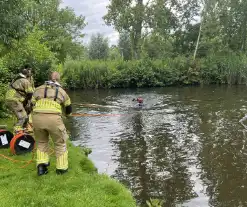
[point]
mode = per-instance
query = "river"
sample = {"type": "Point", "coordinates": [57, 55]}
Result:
{"type": "Point", "coordinates": [185, 146]}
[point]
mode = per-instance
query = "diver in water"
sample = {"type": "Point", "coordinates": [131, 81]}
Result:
{"type": "Point", "coordinates": [139, 102]}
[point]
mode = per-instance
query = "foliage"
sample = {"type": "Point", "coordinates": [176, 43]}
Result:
{"type": "Point", "coordinates": [30, 50]}
{"type": "Point", "coordinates": [113, 74]}
{"type": "Point", "coordinates": [127, 16]}
{"type": "Point", "coordinates": [62, 28]}
{"type": "Point", "coordinates": [181, 70]}
{"type": "Point", "coordinates": [39, 33]}
{"type": "Point", "coordinates": [114, 53]}
{"type": "Point", "coordinates": [224, 69]}
{"type": "Point", "coordinates": [4, 74]}
{"type": "Point", "coordinates": [138, 18]}
{"type": "Point", "coordinates": [156, 47]}
{"type": "Point", "coordinates": [3, 88]}
{"type": "Point", "coordinates": [179, 27]}
{"type": "Point", "coordinates": [124, 45]}
{"type": "Point", "coordinates": [13, 23]}
{"type": "Point", "coordinates": [85, 74]}
{"type": "Point", "coordinates": [98, 47]}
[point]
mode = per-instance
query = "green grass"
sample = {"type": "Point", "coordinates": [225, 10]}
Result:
{"type": "Point", "coordinates": [81, 186]}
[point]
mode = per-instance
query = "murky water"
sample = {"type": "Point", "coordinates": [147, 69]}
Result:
{"type": "Point", "coordinates": [185, 146]}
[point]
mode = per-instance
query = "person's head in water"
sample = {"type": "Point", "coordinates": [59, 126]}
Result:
{"type": "Point", "coordinates": [139, 100]}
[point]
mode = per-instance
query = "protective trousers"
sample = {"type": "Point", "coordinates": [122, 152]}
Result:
{"type": "Point", "coordinates": [52, 125]}
{"type": "Point", "coordinates": [17, 108]}
{"type": "Point", "coordinates": [29, 126]}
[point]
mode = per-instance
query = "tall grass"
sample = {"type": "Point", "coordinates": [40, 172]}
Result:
{"type": "Point", "coordinates": [224, 69]}
{"type": "Point", "coordinates": [215, 69]}
{"type": "Point", "coordinates": [115, 74]}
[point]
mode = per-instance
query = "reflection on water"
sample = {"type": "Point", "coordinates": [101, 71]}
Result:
{"type": "Point", "coordinates": [185, 146]}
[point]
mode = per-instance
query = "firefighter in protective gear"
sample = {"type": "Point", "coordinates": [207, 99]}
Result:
{"type": "Point", "coordinates": [17, 96]}
{"type": "Point", "coordinates": [49, 101]}
{"type": "Point", "coordinates": [29, 127]}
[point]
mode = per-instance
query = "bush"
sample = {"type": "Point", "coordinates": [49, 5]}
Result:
{"type": "Point", "coordinates": [229, 68]}
{"type": "Point", "coordinates": [28, 50]}
{"type": "Point", "coordinates": [3, 88]}
{"type": "Point", "coordinates": [136, 73]}
{"type": "Point", "coordinates": [4, 77]}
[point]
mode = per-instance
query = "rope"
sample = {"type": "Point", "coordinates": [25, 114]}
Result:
{"type": "Point", "coordinates": [28, 162]}
{"type": "Point", "coordinates": [18, 161]}
{"type": "Point", "coordinates": [78, 114]}
{"type": "Point", "coordinates": [95, 106]}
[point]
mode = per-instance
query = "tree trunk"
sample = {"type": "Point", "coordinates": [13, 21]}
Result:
{"type": "Point", "coordinates": [138, 29]}
{"type": "Point", "coordinates": [243, 47]}
{"type": "Point", "coordinates": [198, 40]}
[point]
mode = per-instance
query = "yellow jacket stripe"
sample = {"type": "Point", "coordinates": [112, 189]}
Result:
{"type": "Point", "coordinates": [42, 157]}
{"type": "Point", "coordinates": [45, 105]}
{"type": "Point", "coordinates": [11, 95]}
{"type": "Point", "coordinates": [62, 161]}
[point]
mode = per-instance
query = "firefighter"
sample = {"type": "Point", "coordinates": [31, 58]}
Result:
{"type": "Point", "coordinates": [49, 101]}
{"type": "Point", "coordinates": [17, 97]}
{"type": "Point", "coordinates": [29, 127]}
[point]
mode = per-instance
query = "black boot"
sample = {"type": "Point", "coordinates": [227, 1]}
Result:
{"type": "Point", "coordinates": [60, 171]}
{"type": "Point", "coordinates": [42, 169]}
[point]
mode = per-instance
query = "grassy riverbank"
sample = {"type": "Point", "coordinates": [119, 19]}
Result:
{"type": "Point", "coordinates": [81, 187]}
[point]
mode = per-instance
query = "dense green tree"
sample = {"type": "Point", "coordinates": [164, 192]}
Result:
{"type": "Point", "coordinates": [63, 29]}
{"type": "Point", "coordinates": [156, 46]}
{"type": "Point", "coordinates": [13, 23]}
{"type": "Point", "coordinates": [157, 16]}
{"type": "Point", "coordinates": [124, 45]}
{"type": "Point", "coordinates": [98, 47]}
{"type": "Point", "coordinates": [127, 16]}
{"type": "Point", "coordinates": [114, 53]}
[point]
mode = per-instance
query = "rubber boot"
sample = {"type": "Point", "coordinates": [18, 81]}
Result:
{"type": "Point", "coordinates": [62, 164]}
{"type": "Point", "coordinates": [42, 162]}
{"type": "Point", "coordinates": [60, 171]}
{"type": "Point", "coordinates": [42, 169]}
